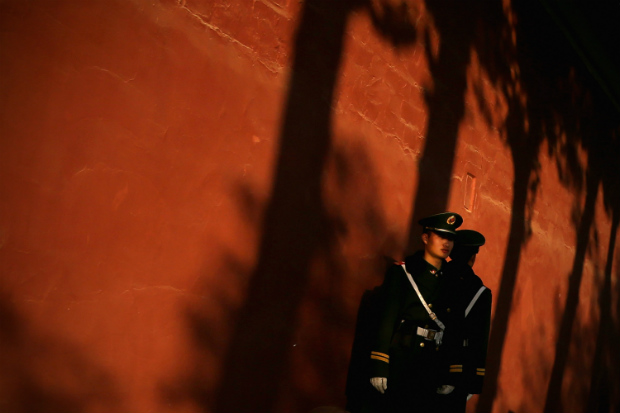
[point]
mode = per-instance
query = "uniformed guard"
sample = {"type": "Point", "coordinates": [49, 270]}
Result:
{"type": "Point", "coordinates": [476, 302]}
{"type": "Point", "coordinates": [417, 342]}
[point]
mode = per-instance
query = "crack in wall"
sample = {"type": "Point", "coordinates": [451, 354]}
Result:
{"type": "Point", "coordinates": [270, 65]}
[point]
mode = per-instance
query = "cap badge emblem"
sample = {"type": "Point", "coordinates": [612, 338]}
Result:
{"type": "Point", "coordinates": [451, 220]}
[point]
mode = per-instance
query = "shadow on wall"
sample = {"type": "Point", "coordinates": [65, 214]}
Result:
{"type": "Point", "coordinates": [601, 398]}
{"type": "Point", "coordinates": [42, 374]}
{"type": "Point", "coordinates": [604, 391]}
{"type": "Point", "coordinates": [297, 227]}
{"type": "Point", "coordinates": [456, 23]}
{"type": "Point", "coordinates": [549, 99]}
{"type": "Point", "coordinates": [558, 103]}
{"type": "Point", "coordinates": [297, 224]}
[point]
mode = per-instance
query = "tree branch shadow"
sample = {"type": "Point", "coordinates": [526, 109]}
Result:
{"type": "Point", "coordinates": [43, 374]}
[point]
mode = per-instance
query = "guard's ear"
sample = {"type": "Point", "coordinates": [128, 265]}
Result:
{"type": "Point", "coordinates": [425, 238]}
{"type": "Point", "coordinates": [472, 260]}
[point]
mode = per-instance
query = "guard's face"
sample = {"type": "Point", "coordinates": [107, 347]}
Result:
{"type": "Point", "coordinates": [438, 245]}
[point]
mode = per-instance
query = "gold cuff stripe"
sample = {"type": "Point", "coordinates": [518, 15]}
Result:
{"type": "Point", "coordinates": [376, 353]}
{"type": "Point", "coordinates": [456, 370]}
{"type": "Point", "coordinates": [456, 365]}
{"type": "Point", "coordinates": [380, 358]}
{"type": "Point", "coordinates": [480, 373]}
{"type": "Point", "coordinates": [480, 370]}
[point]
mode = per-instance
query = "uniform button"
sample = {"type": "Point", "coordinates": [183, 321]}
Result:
{"type": "Point", "coordinates": [430, 305]}
{"type": "Point", "coordinates": [448, 310]}
{"type": "Point", "coordinates": [437, 348]}
{"type": "Point", "coordinates": [426, 326]}
{"type": "Point", "coordinates": [421, 344]}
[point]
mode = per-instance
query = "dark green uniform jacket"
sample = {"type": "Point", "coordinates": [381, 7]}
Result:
{"type": "Point", "coordinates": [414, 365]}
{"type": "Point", "coordinates": [475, 331]}
{"type": "Point", "coordinates": [476, 326]}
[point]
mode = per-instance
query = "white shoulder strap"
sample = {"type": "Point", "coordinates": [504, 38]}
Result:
{"type": "Point", "coordinates": [473, 300]}
{"type": "Point", "coordinates": [415, 287]}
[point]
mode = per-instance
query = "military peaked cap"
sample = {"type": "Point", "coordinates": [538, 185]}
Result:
{"type": "Point", "coordinates": [444, 222]}
{"type": "Point", "coordinates": [469, 238]}
{"type": "Point", "coordinates": [467, 242]}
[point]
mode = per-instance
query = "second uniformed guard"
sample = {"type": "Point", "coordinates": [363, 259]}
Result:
{"type": "Point", "coordinates": [418, 340]}
{"type": "Point", "coordinates": [476, 301]}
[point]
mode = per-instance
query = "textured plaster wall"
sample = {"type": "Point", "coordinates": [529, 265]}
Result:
{"type": "Point", "coordinates": [195, 194]}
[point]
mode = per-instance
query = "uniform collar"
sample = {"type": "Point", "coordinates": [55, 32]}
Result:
{"type": "Point", "coordinates": [463, 271]}
{"type": "Point", "coordinates": [416, 264]}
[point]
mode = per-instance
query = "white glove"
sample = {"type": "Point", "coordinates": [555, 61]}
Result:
{"type": "Point", "coordinates": [445, 389]}
{"type": "Point", "coordinates": [469, 396]}
{"type": "Point", "coordinates": [379, 383]}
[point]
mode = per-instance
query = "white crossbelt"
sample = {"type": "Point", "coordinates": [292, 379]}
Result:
{"type": "Point", "coordinates": [470, 306]}
{"type": "Point", "coordinates": [438, 335]}
{"type": "Point", "coordinates": [473, 300]}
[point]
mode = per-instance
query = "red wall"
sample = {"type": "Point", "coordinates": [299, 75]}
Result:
{"type": "Point", "coordinates": [195, 194]}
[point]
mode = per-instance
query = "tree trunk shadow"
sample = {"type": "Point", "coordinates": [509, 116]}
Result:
{"type": "Point", "coordinates": [295, 224]}
{"type": "Point", "coordinates": [599, 399]}
{"type": "Point", "coordinates": [553, 402]}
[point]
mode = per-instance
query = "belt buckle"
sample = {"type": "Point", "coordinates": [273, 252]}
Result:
{"type": "Point", "coordinates": [430, 335]}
